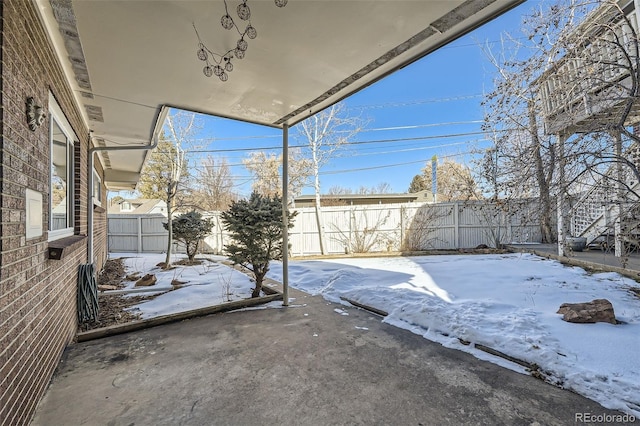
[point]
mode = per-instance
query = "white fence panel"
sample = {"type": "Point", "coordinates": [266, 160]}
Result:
{"type": "Point", "coordinates": [214, 243]}
{"type": "Point", "coordinates": [137, 233]}
{"type": "Point", "coordinates": [374, 228]}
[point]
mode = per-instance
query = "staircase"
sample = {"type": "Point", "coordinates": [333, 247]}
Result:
{"type": "Point", "coordinates": [596, 212]}
{"type": "Point", "coordinates": [593, 84]}
{"type": "Point", "coordinates": [594, 215]}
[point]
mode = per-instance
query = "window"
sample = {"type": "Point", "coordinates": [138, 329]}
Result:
{"type": "Point", "coordinates": [61, 194]}
{"type": "Point", "coordinates": [97, 189]}
{"type": "Point", "coordinates": [126, 206]}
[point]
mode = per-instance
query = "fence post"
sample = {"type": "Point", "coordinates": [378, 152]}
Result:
{"type": "Point", "coordinates": [139, 232]}
{"type": "Point", "coordinates": [219, 236]}
{"type": "Point", "coordinates": [300, 224]}
{"type": "Point", "coordinates": [510, 233]}
{"type": "Point", "coordinates": [401, 242]}
{"type": "Point", "coordinates": [456, 225]}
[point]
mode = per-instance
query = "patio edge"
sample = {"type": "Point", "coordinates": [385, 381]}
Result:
{"type": "Point", "coordinates": [528, 365]}
{"type": "Point", "coordinates": [166, 319]}
{"type": "Point", "coordinates": [597, 267]}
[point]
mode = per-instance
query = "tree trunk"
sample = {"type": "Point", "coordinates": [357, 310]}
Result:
{"type": "Point", "coordinates": [320, 225]}
{"type": "Point", "coordinates": [563, 208]}
{"type": "Point", "coordinates": [316, 187]}
{"type": "Point", "coordinates": [192, 250]}
{"type": "Point", "coordinates": [543, 184]}
{"type": "Point", "coordinates": [259, 279]}
{"type": "Point", "coordinates": [170, 196]}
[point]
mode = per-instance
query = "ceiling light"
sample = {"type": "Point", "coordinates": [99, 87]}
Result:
{"type": "Point", "coordinates": [217, 64]}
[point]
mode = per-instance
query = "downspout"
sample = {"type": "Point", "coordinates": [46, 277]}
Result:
{"type": "Point", "coordinates": [154, 143]}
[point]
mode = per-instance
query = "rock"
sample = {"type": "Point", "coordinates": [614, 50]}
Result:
{"type": "Point", "coordinates": [133, 277]}
{"type": "Point", "coordinates": [146, 281]}
{"type": "Point", "coordinates": [178, 283]}
{"type": "Point", "coordinates": [598, 310]}
{"type": "Point", "coordinates": [105, 287]}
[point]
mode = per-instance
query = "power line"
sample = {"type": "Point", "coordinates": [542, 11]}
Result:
{"type": "Point", "coordinates": [416, 102]}
{"type": "Point", "coordinates": [421, 148]}
{"type": "Point", "coordinates": [385, 166]}
{"type": "Point", "coordinates": [421, 126]}
{"type": "Point", "coordinates": [276, 148]}
{"type": "Point", "coordinates": [379, 129]}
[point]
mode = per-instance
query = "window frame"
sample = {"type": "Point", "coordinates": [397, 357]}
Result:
{"type": "Point", "coordinates": [57, 116]}
{"type": "Point", "coordinates": [97, 187]}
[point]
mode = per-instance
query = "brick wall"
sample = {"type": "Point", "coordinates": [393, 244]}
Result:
{"type": "Point", "coordinates": [100, 224]}
{"type": "Point", "coordinates": [37, 295]}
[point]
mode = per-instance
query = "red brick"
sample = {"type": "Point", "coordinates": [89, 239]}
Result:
{"type": "Point", "coordinates": [37, 295]}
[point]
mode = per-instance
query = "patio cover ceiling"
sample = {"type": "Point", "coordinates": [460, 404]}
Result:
{"type": "Point", "coordinates": [129, 60]}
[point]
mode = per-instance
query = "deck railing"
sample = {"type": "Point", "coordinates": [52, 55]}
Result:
{"type": "Point", "coordinates": [596, 73]}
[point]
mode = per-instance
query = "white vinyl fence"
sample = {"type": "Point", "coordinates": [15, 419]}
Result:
{"type": "Point", "coordinates": [357, 229]}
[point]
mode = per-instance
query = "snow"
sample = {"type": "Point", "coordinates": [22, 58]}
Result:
{"type": "Point", "coordinates": [506, 302]}
{"type": "Point", "coordinates": [211, 283]}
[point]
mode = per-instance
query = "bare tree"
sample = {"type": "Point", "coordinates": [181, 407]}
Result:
{"type": "Point", "coordinates": [324, 134]}
{"type": "Point", "coordinates": [380, 188]}
{"type": "Point", "coordinates": [561, 116]}
{"type": "Point", "coordinates": [454, 180]}
{"type": "Point", "coordinates": [333, 196]}
{"type": "Point", "coordinates": [420, 232]}
{"type": "Point", "coordinates": [267, 176]}
{"type": "Point", "coordinates": [214, 191]}
{"type": "Point", "coordinates": [522, 162]}
{"type": "Point", "coordinates": [181, 127]}
{"type": "Point", "coordinates": [339, 190]}
{"type": "Point", "coordinates": [365, 232]}
{"type": "Point", "coordinates": [417, 184]}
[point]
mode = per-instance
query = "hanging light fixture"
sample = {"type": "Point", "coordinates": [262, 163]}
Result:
{"type": "Point", "coordinates": [244, 12]}
{"type": "Point", "coordinates": [217, 64]}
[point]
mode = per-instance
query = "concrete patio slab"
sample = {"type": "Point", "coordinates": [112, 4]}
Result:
{"type": "Point", "coordinates": [302, 365]}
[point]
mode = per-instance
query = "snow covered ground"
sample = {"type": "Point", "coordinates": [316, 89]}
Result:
{"type": "Point", "coordinates": [208, 284]}
{"type": "Point", "coordinates": [507, 302]}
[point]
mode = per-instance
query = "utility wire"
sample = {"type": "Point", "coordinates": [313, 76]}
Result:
{"type": "Point", "coordinates": [405, 127]}
{"type": "Point", "coordinates": [422, 148]}
{"type": "Point", "coordinates": [276, 148]}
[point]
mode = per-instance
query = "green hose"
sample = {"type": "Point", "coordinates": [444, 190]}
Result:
{"type": "Point", "coordinates": [87, 293]}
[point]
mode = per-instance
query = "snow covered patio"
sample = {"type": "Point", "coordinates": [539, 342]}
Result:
{"type": "Point", "coordinates": [322, 362]}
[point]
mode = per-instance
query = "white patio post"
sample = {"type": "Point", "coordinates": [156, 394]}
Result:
{"type": "Point", "coordinates": [285, 217]}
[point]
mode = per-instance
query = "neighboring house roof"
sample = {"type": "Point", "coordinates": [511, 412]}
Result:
{"type": "Point", "coordinates": [364, 199]}
{"type": "Point", "coordinates": [139, 206]}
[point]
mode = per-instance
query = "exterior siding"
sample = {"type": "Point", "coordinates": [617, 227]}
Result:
{"type": "Point", "coordinates": [37, 295]}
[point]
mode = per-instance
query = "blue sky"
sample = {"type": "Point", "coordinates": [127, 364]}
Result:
{"type": "Point", "coordinates": [435, 98]}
